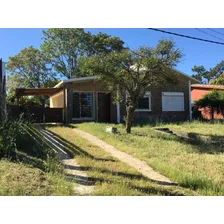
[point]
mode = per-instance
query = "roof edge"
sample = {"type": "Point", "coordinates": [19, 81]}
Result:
{"type": "Point", "coordinates": [75, 80]}
{"type": "Point", "coordinates": [61, 83]}
{"type": "Point", "coordinates": [187, 76]}
{"type": "Point", "coordinates": [207, 86]}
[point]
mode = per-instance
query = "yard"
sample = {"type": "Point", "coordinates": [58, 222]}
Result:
{"type": "Point", "coordinates": [196, 165]}
{"type": "Point", "coordinates": [110, 176]}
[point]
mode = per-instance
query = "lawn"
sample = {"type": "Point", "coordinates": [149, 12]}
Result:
{"type": "Point", "coordinates": [18, 179]}
{"type": "Point", "coordinates": [202, 128]}
{"type": "Point", "coordinates": [197, 166]}
{"type": "Point", "coordinates": [34, 169]}
{"type": "Point", "coordinates": [110, 176]}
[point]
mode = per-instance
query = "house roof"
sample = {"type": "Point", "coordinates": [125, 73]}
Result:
{"type": "Point", "coordinates": [204, 86]}
{"type": "Point", "coordinates": [36, 91]}
{"type": "Point", "coordinates": [85, 79]}
{"type": "Point", "coordinates": [77, 80]}
{"type": "Point", "coordinates": [187, 76]}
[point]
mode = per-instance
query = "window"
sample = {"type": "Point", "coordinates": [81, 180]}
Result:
{"type": "Point", "coordinates": [82, 105]}
{"type": "Point", "coordinates": [144, 104]}
{"type": "Point", "coordinates": [172, 101]}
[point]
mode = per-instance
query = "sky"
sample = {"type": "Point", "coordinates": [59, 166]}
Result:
{"type": "Point", "coordinates": [13, 40]}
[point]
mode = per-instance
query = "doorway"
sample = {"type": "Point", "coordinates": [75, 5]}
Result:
{"type": "Point", "coordinates": [103, 107]}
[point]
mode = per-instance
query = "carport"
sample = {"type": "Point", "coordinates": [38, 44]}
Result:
{"type": "Point", "coordinates": [40, 115]}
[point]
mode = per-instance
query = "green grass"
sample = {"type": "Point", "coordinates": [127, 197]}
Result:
{"type": "Point", "coordinates": [195, 166]}
{"type": "Point", "coordinates": [109, 175]}
{"type": "Point", "coordinates": [18, 179]}
{"type": "Point", "coordinates": [35, 169]}
{"type": "Point", "coordinates": [202, 128]}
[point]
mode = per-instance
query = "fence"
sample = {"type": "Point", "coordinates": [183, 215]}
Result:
{"type": "Point", "coordinates": [39, 115]}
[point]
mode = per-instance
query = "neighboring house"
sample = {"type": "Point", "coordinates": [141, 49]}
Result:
{"type": "Point", "coordinates": [88, 99]}
{"type": "Point", "coordinates": [2, 88]}
{"type": "Point", "coordinates": [198, 91]}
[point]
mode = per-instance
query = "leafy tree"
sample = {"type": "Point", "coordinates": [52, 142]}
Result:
{"type": "Point", "coordinates": [103, 43]}
{"type": "Point", "coordinates": [66, 46]}
{"type": "Point", "coordinates": [29, 69]}
{"type": "Point", "coordinates": [213, 100]}
{"type": "Point", "coordinates": [133, 73]}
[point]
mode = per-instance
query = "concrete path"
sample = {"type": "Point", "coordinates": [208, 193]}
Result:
{"type": "Point", "coordinates": [137, 164]}
{"type": "Point", "coordinates": [83, 186]}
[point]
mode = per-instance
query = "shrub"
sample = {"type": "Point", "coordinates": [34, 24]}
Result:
{"type": "Point", "coordinates": [10, 132]}
{"type": "Point", "coordinates": [213, 100]}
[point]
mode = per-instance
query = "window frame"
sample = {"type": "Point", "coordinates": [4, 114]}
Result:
{"type": "Point", "coordinates": [93, 106]}
{"type": "Point", "coordinates": [173, 94]}
{"type": "Point", "coordinates": [147, 95]}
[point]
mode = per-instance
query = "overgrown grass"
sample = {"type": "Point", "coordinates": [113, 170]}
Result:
{"type": "Point", "coordinates": [109, 175]}
{"type": "Point", "coordinates": [191, 165]}
{"type": "Point", "coordinates": [17, 179]}
{"type": "Point", "coordinates": [35, 169]}
{"type": "Point", "coordinates": [203, 128]}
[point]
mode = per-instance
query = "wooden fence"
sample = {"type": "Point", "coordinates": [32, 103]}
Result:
{"type": "Point", "coordinates": [38, 115]}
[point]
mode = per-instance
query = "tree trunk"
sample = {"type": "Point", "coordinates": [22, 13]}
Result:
{"type": "Point", "coordinates": [130, 111]}
{"type": "Point", "coordinates": [212, 112]}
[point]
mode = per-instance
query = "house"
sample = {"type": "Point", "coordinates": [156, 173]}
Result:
{"type": "Point", "coordinates": [87, 99]}
{"type": "Point", "coordinates": [2, 88]}
{"type": "Point", "coordinates": [198, 91]}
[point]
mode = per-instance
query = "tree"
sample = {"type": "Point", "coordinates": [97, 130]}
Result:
{"type": "Point", "coordinates": [218, 81]}
{"type": "Point", "coordinates": [29, 69]}
{"type": "Point", "coordinates": [200, 73]}
{"type": "Point", "coordinates": [132, 73]}
{"type": "Point", "coordinates": [213, 100]}
{"type": "Point", "coordinates": [208, 76]}
{"type": "Point", "coordinates": [215, 72]}
{"type": "Point", "coordinates": [66, 46]}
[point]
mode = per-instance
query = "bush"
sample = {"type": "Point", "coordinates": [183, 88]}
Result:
{"type": "Point", "coordinates": [213, 100]}
{"type": "Point", "coordinates": [10, 132]}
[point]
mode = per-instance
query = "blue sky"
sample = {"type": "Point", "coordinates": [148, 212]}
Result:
{"type": "Point", "coordinates": [196, 52]}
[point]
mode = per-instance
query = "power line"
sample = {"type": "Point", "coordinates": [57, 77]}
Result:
{"type": "Point", "coordinates": [208, 34]}
{"type": "Point", "coordinates": [215, 31]}
{"type": "Point", "coordinates": [190, 37]}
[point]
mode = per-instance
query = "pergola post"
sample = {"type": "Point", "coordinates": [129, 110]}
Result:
{"type": "Point", "coordinates": [68, 103]}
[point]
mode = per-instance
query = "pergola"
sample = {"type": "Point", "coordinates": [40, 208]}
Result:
{"type": "Point", "coordinates": [36, 91]}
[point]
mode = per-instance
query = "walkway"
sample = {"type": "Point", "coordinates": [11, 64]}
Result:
{"type": "Point", "coordinates": [137, 164]}
{"type": "Point", "coordinates": [83, 186]}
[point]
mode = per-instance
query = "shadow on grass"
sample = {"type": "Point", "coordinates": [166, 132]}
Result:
{"type": "Point", "coordinates": [74, 150]}
{"type": "Point", "coordinates": [154, 190]}
{"type": "Point", "coordinates": [32, 161]}
{"type": "Point", "coordinates": [209, 144]}
{"type": "Point", "coordinates": [83, 180]}
{"type": "Point", "coordinates": [119, 174]}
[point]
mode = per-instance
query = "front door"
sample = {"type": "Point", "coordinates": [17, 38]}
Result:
{"type": "Point", "coordinates": [103, 107]}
